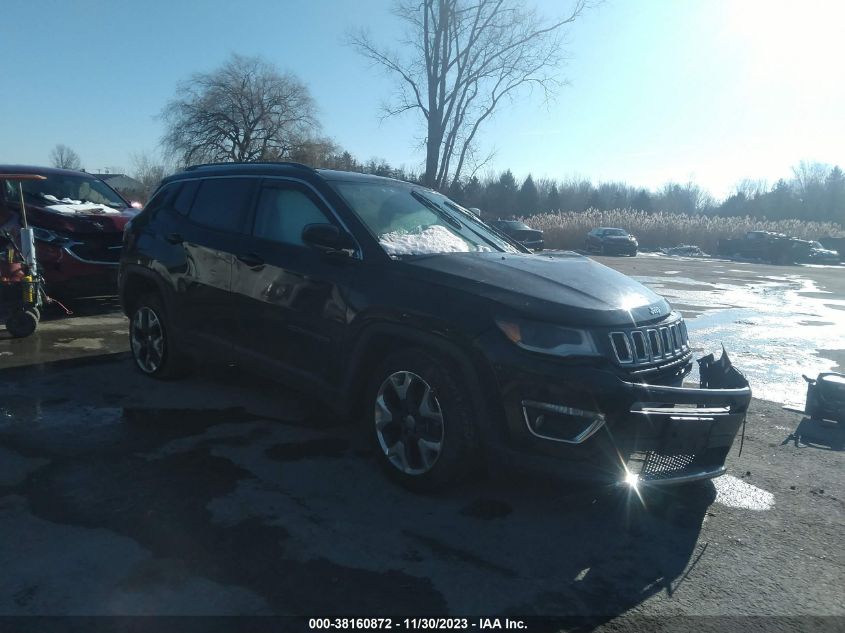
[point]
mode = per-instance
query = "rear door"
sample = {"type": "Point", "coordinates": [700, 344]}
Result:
{"type": "Point", "coordinates": [211, 235]}
{"type": "Point", "coordinates": [293, 297]}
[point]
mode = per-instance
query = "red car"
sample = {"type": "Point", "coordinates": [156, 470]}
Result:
{"type": "Point", "coordinates": [78, 221]}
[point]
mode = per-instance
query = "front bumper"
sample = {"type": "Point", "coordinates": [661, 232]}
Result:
{"type": "Point", "coordinates": [534, 245]}
{"type": "Point", "coordinates": [619, 248]}
{"type": "Point", "coordinates": [65, 269]}
{"type": "Point", "coordinates": [589, 422]}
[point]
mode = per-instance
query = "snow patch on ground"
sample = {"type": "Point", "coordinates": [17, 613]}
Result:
{"type": "Point", "coordinates": [735, 493]}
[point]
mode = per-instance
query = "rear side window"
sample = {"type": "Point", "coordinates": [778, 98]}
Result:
{"type": "Point", "coordinates": [282, 213]}
{"type": "Point", "coordinates": [220, 203]}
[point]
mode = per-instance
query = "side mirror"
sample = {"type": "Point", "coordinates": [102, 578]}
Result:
{"type": "Point", "coordinates": [327, 237]}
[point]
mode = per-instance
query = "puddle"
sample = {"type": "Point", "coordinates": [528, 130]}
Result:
{"type": "Point", "coordinates": [735, 493]}
{"type": "Point", "coordinates": [774, 330]}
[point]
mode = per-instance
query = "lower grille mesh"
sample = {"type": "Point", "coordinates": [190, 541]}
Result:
{"type": "Point", "coordinates": [657, 464]}
{"type": "Point", "coordinates": [653, 465]}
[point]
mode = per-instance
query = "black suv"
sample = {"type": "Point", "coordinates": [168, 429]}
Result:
{"type": "Point", "coordinates": [388, 301]}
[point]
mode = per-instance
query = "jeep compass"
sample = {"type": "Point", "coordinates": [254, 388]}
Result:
{"type": "Point", "coordinates": [453, 344]}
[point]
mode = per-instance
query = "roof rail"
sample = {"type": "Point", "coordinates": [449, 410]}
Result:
{"type": "Point", "coordinates": [257, 162]}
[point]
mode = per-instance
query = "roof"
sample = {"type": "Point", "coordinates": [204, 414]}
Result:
{"type": "Point", "coordinates": [356, 176]}
{"type": "Point", "coordinates": [280, 168]}
{"type": "Point", "coordinates": [45, 171]}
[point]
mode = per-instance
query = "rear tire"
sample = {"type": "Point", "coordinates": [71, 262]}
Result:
{"type": "Point", "coordinates": [155, 350]}
{"type": "Point", "coordinates": [422, 421]}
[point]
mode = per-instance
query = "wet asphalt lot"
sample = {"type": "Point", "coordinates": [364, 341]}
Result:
{"type": "Point", "coordinates": [225, 494]}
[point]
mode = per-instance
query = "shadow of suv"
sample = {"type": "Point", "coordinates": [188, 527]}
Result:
{"type": "Point", "coordinates": [453, 342]}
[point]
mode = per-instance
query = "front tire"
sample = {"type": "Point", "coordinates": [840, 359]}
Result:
{"type": "Point", "coordinates": [22, 323]}
{"type": "Point", "coordinates": [154, 348]}
{"type": "Point", "coordinates": [422, 421]}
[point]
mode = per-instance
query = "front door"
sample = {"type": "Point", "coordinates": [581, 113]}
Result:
{"type": "Point", "coordinates": [293, 297]}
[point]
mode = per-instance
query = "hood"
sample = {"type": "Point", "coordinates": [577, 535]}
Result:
{"type": "Point", "coordinates": [560, 288]}
{"type": "Point", "coordinates": [78, 221]}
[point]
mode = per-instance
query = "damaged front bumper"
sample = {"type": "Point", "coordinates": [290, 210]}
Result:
{"type": "Point", "coordinates": [589, 423]}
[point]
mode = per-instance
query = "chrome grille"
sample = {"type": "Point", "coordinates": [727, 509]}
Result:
{"type": "Point", "coordinates": [644, 346]}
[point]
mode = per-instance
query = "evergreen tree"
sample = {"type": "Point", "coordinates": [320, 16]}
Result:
{"type": "Point", "coordinates": [553, 199]}
{"type": "Point", "coordinates": [528, 201]}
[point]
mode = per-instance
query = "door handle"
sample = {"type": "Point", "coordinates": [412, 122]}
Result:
{"type": "Point", "coordinates": [174, 238]}
{"type": "Point", "coordinates": [251, 260]}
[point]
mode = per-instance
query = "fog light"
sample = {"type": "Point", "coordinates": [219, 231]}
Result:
{"type": "Point", "coordinates": [632, 479]}
{"type": "Point", "coordinates": [560, 423]}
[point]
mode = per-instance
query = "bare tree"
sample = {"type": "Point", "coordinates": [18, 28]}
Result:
{"type": "Point", "coordinates": [246, 110]}
{"type": "Point", "coordinates": [64, 157]}
{"type": "Point", "coordinates": [751, 188]}
{"type": "Point", "coordinates": [149, 172]}
{"type": "Point", "coordinates": [464, 58]}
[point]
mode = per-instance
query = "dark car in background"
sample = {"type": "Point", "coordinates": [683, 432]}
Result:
{"type": "Point", "coordinates": [611, 241]}
{"type": "Point", "coordinates": [821, 255]}
{"type": "Point", "coordinates": [766, 246]}
{"type": "Point", "coordinates": [521, 232]}
{"type": "Point", "coordinates": [78, 221]}
{"type": "Point", "coordinates": [452, 345]}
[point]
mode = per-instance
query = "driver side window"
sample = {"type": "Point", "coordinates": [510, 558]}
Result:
{"type": "Point", "coordinates": [283, 212]}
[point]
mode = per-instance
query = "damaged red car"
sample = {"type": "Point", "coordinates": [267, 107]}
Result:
{"type": "Point", "coordinates": [78, 221]}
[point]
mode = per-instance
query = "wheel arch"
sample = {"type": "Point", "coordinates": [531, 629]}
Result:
{"type": "Point", "coordinates": [377, 340]}
{"type": "Point", "coordinates": [138, 281]}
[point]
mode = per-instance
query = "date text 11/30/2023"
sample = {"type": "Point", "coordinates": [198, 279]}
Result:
{"type": "Point", "coordinates": [416, 624]}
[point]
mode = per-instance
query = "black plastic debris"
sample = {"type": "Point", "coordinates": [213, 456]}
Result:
{"type": "Point", "coordinates": [721, 374]}
{"type": "Point", "coordinates": [826, 397]}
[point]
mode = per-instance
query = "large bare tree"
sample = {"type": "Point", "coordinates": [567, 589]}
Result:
{"type": "Point", "coordinates": [461, 59]}
{"type": "Point", "coordinates": [64, 157]}
{"type": "Point", "coordinates": [246, 110]}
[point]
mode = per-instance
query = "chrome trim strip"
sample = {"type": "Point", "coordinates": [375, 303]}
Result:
{"type": "Point", "coordinates": [359, 252]}
{"type": "Point", "coordinates": [686, 478]}
{"type": "Point", "coordinates": [632, 358]}
{"type": "Point", "coordinates": [646, 356]}
{"type": "Point", "coordinates": [87, 261]}
{"type": "Point", "coordinates": [676, 362]}
{"type": "Point", "coordinates": [582, 437]}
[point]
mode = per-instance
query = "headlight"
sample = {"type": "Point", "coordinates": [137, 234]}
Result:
{"type": "Point", "coordinates": [547, 338]}
{"type": "Point", "coordinates": [51, 237]}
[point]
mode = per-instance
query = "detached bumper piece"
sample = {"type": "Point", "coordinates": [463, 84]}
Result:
{"type": "Point", "coordinates": [685, 434]}
{"type": "Point", "coordinates": [826, 397]}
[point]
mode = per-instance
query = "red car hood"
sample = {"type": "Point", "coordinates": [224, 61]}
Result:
{"type": "Point", "coordinates": [79, 222]}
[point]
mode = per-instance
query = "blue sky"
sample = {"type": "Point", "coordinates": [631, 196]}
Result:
{"type": "Point", "coordinates": [659, 90]}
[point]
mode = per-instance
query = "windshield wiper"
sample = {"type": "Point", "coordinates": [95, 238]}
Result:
{"type": "Point", "coordinates": [440, 212]}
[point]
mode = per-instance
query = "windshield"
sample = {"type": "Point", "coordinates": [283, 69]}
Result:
{"type": "Point", "coordinates": [61, 189]}
{"type": "Point", "coordinates": [414, 221]}
{"type": "Point", "coordinates": [615, 232]}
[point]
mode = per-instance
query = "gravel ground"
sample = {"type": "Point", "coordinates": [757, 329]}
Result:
{"type": "Point", "coordinates": [227, 495]}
